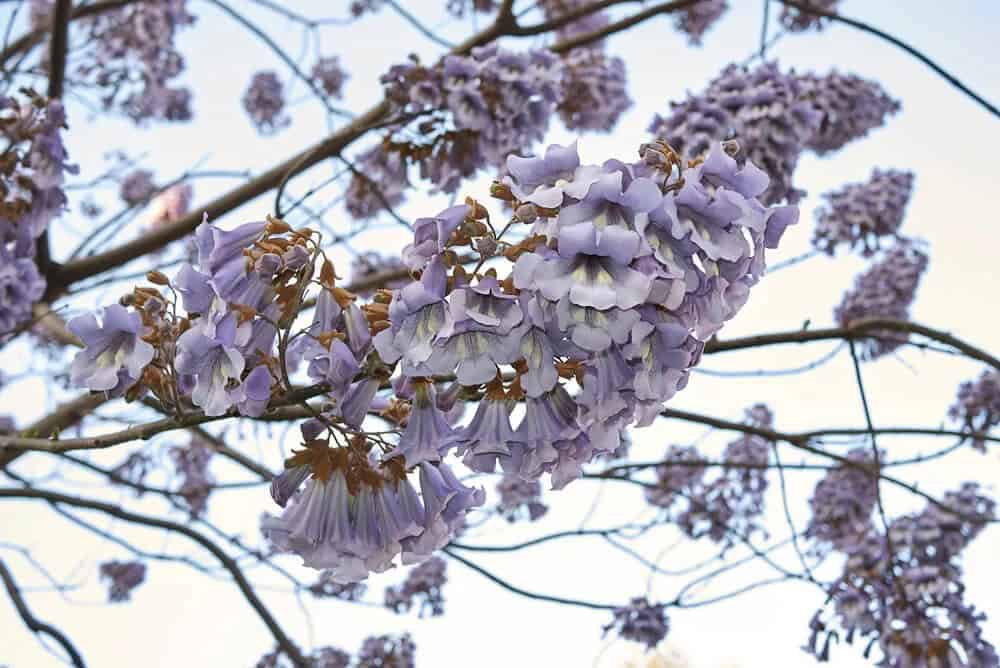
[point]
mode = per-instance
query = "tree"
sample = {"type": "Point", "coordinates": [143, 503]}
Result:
{"type": "Point", "coordinates": [514, 317]}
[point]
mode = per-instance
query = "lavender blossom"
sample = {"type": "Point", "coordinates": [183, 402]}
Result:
{"type": "Point", "coordinates": [387, 651]}
{"type": "Point", "coordinates": [21, 285]}
{"type": "Point", "coordinates": [641, 621]}
{"type": "Point", "coordinates": [885, 290]}
{"type": "Point", "coordinates": [977, 407]}
{"type": "Point", "coordinates": [520, 499]}
{"type": "Point", "coordinates": [696, 19]}
{"type": "Point", "coordinates": [122, 577]}
{"type": "Point", "coordinates": [850, 108]}
{"type": "Point", "coordinates": [797, 20]}
{"type": "Point", "coordinates": [137, 188]}
{"type": "Point", "coordinates": [330, 76]}
{"type": "Point", "coordinates": [114, 354]}
{"type": "Point", "coordinates": [135, 60]}
{"type": "Point", "coordinates": [911, 600]}
{"type": "Point", "coordinates": [264, 101]}
{"type": "Point", "coordinates": [380, 183]}
{"type": "Point", "coordinates": [594, 91]}
{"type": "Point", "coordinates": [860, 214]}
{"type": "Point", "coordinates": [842, 503]}
{"type": "Point", "coordinates": [211, 356]}
{"type": "Point", "coordinates": [422, 587]}
{"type": "Point", "coordinates": [191, 462]}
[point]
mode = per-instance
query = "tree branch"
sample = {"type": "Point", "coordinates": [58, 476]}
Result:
{"type": "Point", "coordinates": [33, 623]}
{"type": "Point", "coordinates": [284, 642]}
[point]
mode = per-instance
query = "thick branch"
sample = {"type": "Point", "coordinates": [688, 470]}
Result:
{"type": "Point", "coordinates": [284, 642]}
{"type": "Point", "coordinates": [65, 415]}
{"type": "Point", "coordinates": [33, 623]}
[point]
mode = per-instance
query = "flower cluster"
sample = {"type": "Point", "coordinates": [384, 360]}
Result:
{"type": "Point", "coordinates": [135, 61]}
{"type": "Point", "coordinates": [471, 111]}
{"type": "Point", "coordinates": [797, 20]}
{"type": "Point", "coordinates": [423, 587]}
{"type": "Point", "coordinates": [695, 20]}
{"type": "Point", "coordinates": [384, 651]}
{"type": "Point", "coordinates": [137, 187]}
{"type": "Point", "coordinates": [192, 463]}
{"type": "Point", "coordinates": [762, 108]}
{"type": "Point", "coordinates": [850, 108]}
{"type": "Point", "coordinates": [604, 291]}
{"type": "Point", "coordinates": [324, 657]}
{"type": "Point", "coordinates": [861, 214]}
{"type": "Point", "coordinates": [641, 621]}
{"type": "Point", "coordinates": [775, 117]}
{"type": "Point", "coordinates": [594, 91]}
{"type": "Point", "coordinates": [122, 578]}
{"type": "Point", "coordinates": [884, 290]}
{"type": "Point", "coordinates": [32, 170]}
{"type": "Point", "coordinates": [620, 273]}
{"type": "Point", "coordinates": [264, 102]}
{"type": "Point", "coordinates": [842, 503]}
{"type": "Point", "coordinates": [977, 406]}
{"type": "Point", "coordinates": [379, 183]}
{"type": "Point", "coordinates": [727, 506]}
{"type": "Point", "coordinates": [329, 76]}
{"type": "Point", "coordinates": [904, 591]}
{"type": "Point", "coordinates": [520, 499]}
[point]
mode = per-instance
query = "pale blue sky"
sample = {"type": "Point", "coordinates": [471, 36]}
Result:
{"type": "Point", "coordinates": [183, 618]}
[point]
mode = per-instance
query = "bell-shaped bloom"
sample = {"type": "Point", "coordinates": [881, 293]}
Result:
{"type": "Point", "coordinates": [548, 419]}
{"type": "Point", "coordinates": [358, 400]}
{"type": "Point", "coordinates": [111, 346]}
{"type": "Point", "coordinates": [214, 361]}
{"type": "Point", "coordinates": [489, 434]}
{"type": "Point", "coordinates": [426, 428]}
{"type": "Point", "coordinates": [431, 235]}
{"type": "Point", "coordinates": [417, 313]}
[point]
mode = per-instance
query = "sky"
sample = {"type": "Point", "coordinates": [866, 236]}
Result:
{"type": "Point", "coordinates": [183, 618]}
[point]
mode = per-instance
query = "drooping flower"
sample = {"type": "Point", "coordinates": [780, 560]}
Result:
{"type": "Point", "coordinates": [215, 362]}
{"type": "Point", "coordinates": [860, 214]}
{"type": "Point", "coordinates": [426, 431]}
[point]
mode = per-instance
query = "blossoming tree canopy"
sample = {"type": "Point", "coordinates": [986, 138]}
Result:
{"type": "Point", "coordinates": [524, 314]}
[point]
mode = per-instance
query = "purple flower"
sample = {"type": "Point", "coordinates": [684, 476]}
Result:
{"type": "Point", "coordinates": [861, 214]}
{"type": "Point", "coordinates": [696, 19]}
{"type": "Point", "coordinates": [137, 188]}
{"type": "Point", "coordinates": [641, 621]}
{"type": "Point", "coordinates": [431, 235]}
{"type": "Point", "coordinates": [21, 285]}
{"type": "Point", "coordinates": [123, 577]}
{"type": "Point", "coordinates": [842, 503]}
{"type": "Point", "coordinates": [255, 392]}
{"type": "Point", "coordinates": [885, 290]}
{"type": "Point", "coordinates": [326, 587]}
{"type": "Point", "coordinates": [797, 20]}
{"type": "Point", "coordinates": [681, 473]}
{"type": "Point", "coordinates": [977, 406]}
{"type": "Point", "coordinates": [191, 463]}
{"type": "Point", "coordinates": [114, 345]}
{"type": "Point", "coordinates": [520, 499]}
{"type": "Point", "coordinates": [387, 651]}
{"type": "Point", "coordinates": [264, 101]}
{"type": "Point", "coordinates": [426, 428]}
{"type": "Point", "coordinates": [417, 314]}
{"type": "Point", "coordinates": [330, 76]}
{"type": "Point", "coordinates": [215, 362]}
{"type": "Point", "coordinates": [381, 183]}
{"type": "Point", "coordinates": [423, 587]}
{"type": "Point", "coordinates": [850, 107]}
{"type": "Point", "coordinates": [489, 435]}
{"type": "Point", "coordinates": [594, 90]}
